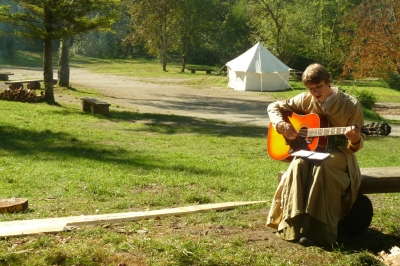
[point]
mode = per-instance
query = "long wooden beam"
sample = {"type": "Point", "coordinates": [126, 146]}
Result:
{"type": "Point", "coordinates": [376, 180]}
{"type": "Point", "coordinates": [53, 225]}
{"type": "Point", "coordinates": [380, 180]}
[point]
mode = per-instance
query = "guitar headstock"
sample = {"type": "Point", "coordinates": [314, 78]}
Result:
{"type": "Point", "coordinates": [377, 129]}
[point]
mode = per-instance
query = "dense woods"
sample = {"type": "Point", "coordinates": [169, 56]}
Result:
{"type": "Point", "coordinates": [353, 38]}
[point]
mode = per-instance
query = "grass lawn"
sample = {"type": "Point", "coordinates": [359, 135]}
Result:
{"type": "Point", "coordinates": [70, 163]}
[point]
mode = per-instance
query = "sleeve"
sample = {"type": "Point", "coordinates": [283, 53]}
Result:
{"type": "Point", "coordinates": [356, 118]}
{"type": "Point", "coordinates": [294, 105]}
{"type": "Point", "coordinates": [358, 146]}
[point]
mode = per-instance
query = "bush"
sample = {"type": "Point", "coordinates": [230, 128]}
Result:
{"type": "Point", "coordinates": [393, 80]}
{"type": "Point", "coordinates": [366, 98]}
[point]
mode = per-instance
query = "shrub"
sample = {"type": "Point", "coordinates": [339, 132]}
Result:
{"type": "Point", "coordinates": [366, 98]}
{"type": "Point", "coordinates": [393, 80]}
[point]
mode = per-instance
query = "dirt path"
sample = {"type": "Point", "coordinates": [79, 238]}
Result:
{"type": "Point", "coordinates": [168, 98]}
{"type": "Point", "coordinates": [172, 98]}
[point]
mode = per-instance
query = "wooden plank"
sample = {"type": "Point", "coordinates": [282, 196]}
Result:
{"type": "Point", "coordinates": [53, 225]}
{"type": "Point", "coordinates": [193, 70]}
{"type": "Point", "coordinates": [376, 180]}
{"type": "Point", "coordinates": [27, 81]}
{"type": "Point", "coordinates": [23, 81]}
{"type": "Point", "coordinates": [94, 101]}
{"type": "Point", "coordinates": [95, 106]}
{"type": "Point", "coordinates": [380, 180]}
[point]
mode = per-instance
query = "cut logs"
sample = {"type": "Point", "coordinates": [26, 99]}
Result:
{"type": "Point", "coordinates": [21, 95]}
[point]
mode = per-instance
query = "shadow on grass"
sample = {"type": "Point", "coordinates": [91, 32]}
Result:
{"type": "Point", "coordinates": [174, 124]}
{"type": "Point", "coordinates": [372, 240]}
{"type": "Point", "coordinates": [53, 146]}
{"type": "Point", "coordinates": [50, 145]}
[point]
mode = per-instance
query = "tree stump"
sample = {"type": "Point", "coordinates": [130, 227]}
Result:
{"type": "Point", "coordinates": [359, 218]}
{"type": "Point", "coordinates": [13, 205]}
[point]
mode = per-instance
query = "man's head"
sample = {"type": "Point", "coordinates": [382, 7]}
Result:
{"type": "Point", "coordinates": [315, 73]}
{"type": "Point", "coordinates": [318, 81]}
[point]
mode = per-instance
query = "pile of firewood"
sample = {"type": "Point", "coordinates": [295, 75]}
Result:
{"type": "Point", "coordinates": [21, 95]}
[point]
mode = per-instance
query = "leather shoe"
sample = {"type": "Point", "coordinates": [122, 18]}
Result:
{"type": "Point", "coordinates": [306, 242]}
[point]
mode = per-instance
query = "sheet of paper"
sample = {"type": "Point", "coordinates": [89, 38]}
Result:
{"type": "Point", "coordinates": [302, 153]}
{"type": "Point", "coordinates": [318, 156]}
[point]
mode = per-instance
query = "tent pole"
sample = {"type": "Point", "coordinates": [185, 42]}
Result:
{"type": "Point", "coordinates": [284, 80]}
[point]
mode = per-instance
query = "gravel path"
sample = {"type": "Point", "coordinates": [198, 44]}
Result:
{"type": "Point", "coordinates": [167, 98]}
{"type": "Point", "coordinates": [172, 98]}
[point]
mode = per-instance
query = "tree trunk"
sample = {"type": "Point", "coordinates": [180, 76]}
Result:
{"type": "Point", "coordinates": [164, 60]}
{"type": "Point", "coordinates": [63, 63]}
{"type": "Point", "coordinates": [184, 57]}
{"type": "Point", "coordinates": [48, 71]}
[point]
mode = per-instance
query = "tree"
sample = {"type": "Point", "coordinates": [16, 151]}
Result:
{"type": "Point", "coordinates": [152, 25]}
{"type": "Point", "coordinates": [236, 33]}
{"type": "Point", "coordinates": [303, 31]}
{"type": "Point", "coordinates": [192, 20]}
{"type": "Point", "coordinates": [50, 20]}
{"type": "Point", "coordinates": [373, 37]}
{"type": "Point", "coordinates": [321, 27]}
{"type": "Point", "coordinates": [271, 21]}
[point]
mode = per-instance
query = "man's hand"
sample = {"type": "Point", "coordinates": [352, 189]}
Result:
{"type": "Point", "coordinates": [286, 129]}
{"type": "Point", "coordinates": [353, 134]}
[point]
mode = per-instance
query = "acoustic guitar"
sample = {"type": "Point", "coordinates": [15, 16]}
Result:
{"type": "Point", "coordinates": [313, 135]}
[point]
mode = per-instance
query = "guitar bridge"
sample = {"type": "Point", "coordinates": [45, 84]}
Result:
{"type": "Point", "coordinates": [298, 144]}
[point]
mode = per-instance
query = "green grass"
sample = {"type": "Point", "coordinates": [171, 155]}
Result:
{"type": "Point", "coordinates": [70, 163]}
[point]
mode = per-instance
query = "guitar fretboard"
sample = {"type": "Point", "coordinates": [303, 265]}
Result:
{"type": "Point", "coordinates": [317, 132]}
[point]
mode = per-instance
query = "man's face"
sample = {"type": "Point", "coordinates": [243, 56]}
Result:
{"type": "Point", "coordinates": [320, 91]}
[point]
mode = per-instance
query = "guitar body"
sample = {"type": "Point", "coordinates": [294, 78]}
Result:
{"type": "Point", "coordinates": [280, 148]}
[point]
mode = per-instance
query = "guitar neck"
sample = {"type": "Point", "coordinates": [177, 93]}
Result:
{"type": "Point", "coordinates": [329, 131]}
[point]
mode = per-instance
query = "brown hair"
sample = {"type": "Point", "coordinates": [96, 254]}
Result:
{"type": "Point", "coordinates": [315, 73]}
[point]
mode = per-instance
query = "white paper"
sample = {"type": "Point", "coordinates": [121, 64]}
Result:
{"type": "Point", "coordinates": [311, 154]}
{"type": "Point", "coordinates": [302, 153]}
{"type": "Point", "coordinates": [318, 156]}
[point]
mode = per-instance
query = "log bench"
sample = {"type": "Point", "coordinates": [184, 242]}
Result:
{"type": "Point", "coordinates": [95, 106]}
{"type": "Point", "coordinates": [32, 84]}
{"type": "Point", "coordinates": [374, 180]}
{"type": "Point", "coordinates": [4, 75]}
{"type": "Point", "coordinates": [193, 70]}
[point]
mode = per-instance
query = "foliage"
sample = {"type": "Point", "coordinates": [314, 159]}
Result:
{"type": "Point", "coordinates": [152, 23]}
{"type": "Point", "coordinates": [106, 43]}
{"type": "Point", "coordinates": [270, 22]}
{"type": "Point", "coordinates": [347, 36]}
{"type": "Point", "coordinates": [190, 28]}
{"type": "Point", "coordinates": [366, 98]}
{"type": "Point", "coordinates": [234, 35]}
{"type": "Point", "coordinates": [393, 80]}
{"type": "Point", "coordinates": [57, 19]}
{"type": "Point", "coordinates": [372, 33]}
{"type": "Point", "coordinates": [50, 20]}
{"type": "Point", "coordinates": [301, 32]}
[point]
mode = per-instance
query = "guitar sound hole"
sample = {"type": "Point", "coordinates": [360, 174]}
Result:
{"type": "Point", "coordinates": [302, 133]}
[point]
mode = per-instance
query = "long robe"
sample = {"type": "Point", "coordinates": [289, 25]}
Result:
{"type": "Point", "coordinates": [314, 195]}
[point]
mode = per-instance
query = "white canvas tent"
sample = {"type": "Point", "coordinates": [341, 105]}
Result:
{"type": "Point", "coordinates": [257, 70]}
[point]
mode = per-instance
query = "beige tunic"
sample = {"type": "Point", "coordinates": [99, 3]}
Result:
{"type": "Point", "coordinates": [325, 190]}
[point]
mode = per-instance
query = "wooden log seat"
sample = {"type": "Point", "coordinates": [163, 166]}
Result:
{"type": "Point", "coordinates": [32, 84]}
{"type": "Point", "coordinates": [374, 180]}
{"type": "Point", "coordinates": [193, 70]}
{"type": "Point", "coordinates": [4, 75]}
{"type": "Point", "coordinates": [95, 106]}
